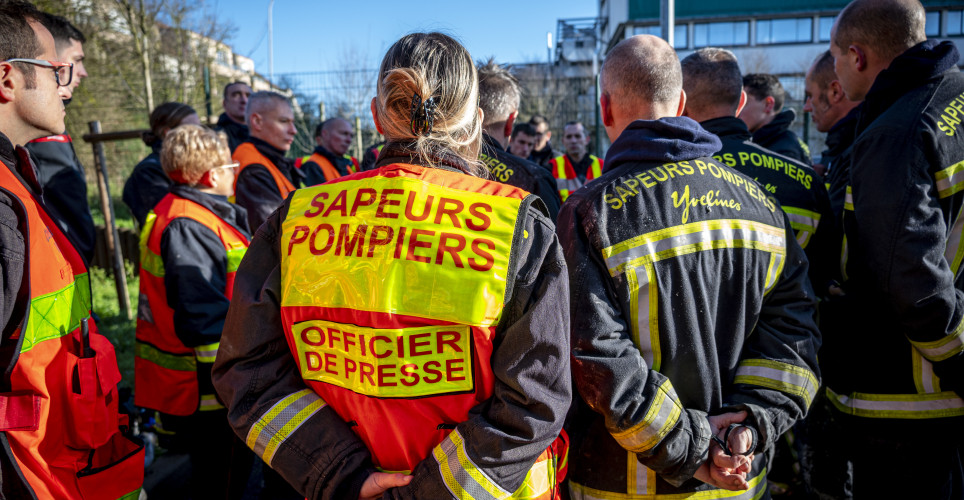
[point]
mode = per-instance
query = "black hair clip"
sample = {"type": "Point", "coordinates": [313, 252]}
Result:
{"type": "Point", "coordinates": [423, 114]}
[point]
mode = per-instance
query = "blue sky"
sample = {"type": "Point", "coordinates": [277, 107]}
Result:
{"type": "Point", "coordinates": [316, 35]}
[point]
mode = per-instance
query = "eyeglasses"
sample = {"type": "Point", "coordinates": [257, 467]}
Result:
{"type": "Point", "coordinates": [229, 165]}
{"type": "Point", "coordinates": [64, 71]}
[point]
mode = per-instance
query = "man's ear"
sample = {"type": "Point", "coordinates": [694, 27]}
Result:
{"type": "Point", "coordinates": [858, 57]}
{"type": "Point", "coordinates": [768, 104]}
{"type": "Point", "coordinates": [510, 122]}
{"type": "Point", "coordinates": [8, 82]}
{"type": "Point", "coordinates": [606, 110]}
{"type": "Point", "coordinates": [378, 125]}
{"type": "Point", "coordinates": [835, 92]}
{"type": "Point", "coordinates": [739, 108]}
{"type": "Point", "coordinates": [209, 179]}
{"type": "Point", "coordinates": [682, 103]}
{"type": "Point", "coordinates": [256, 121]}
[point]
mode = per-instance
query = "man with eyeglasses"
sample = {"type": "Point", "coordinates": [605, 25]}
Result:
{"type": "Point", "coordinates": [60, 172]}
{"type": "Point", "coordinates": [59, 426]}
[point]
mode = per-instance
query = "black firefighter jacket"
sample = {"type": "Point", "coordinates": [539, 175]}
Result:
{"type": "Point", "coordinates": [794, 184]}
{"type": "Point", "coordinates": [904, 309]}
{"type": "Point", "coordinates": [509, 169]}
{"type": "Point", "coordinates": [257, 191]}
{"type": "Point", "coordinates": [777, 136]}
{"type": "Point", "coordinates": [689, 297]}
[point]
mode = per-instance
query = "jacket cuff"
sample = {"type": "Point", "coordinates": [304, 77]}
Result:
{"type": "Point", "coordinates": [759, 419]}
{"type": "Point", "coordinates": [694, 452]}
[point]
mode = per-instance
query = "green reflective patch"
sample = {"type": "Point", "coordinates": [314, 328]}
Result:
{"type": "Point", "coordinates": [183, 363]}
{"type": "Point", "coordinates": [150, 261]}
{"type": "Point", "coordinates": [234, 258]}
{"type": "Point", "coordinates": [58, 313]}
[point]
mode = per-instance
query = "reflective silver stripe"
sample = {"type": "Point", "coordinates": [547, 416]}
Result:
{"type": "Point", "coordinates": [950, 180]}
{"type": "Point", "coordinates": [849, 200]}
{"type": "Point", "coordinates": [905, 406]}
{"type": "Point", "coordinates": [280, 421]}
{"type": "Point", "coordinates": [206, 353]}
{"type": "Point", "coordinates": [461, 476]}
{"type": "Point", "coordinates": [773, 271]}
{"type": "Point", "coordinates": [209, 402]}
{"type": "Point", "coordinates": [758, 485]}
{"type": "Point", "coordinates": [844, 255]}
{"type": "Point", "coordinates": [644, 479]}
{"type": "Point", "coordinates": [660, 418]}
{"type": "Point", "coordinates": [780, 376]}
{"type": "Point", "coordinates": [924, 378]}
{"type": "Point", "coordinates": [804, 223]}
{"type": "Point", "coordinates": [944, 348]}
{"type": "Point", "coordinates": [693, 237]}
{"type": "Point", "coordinates": [644, 334]}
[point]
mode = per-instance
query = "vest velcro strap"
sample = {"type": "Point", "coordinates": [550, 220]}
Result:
{"type": "Point", "coordinates": [19, 411]}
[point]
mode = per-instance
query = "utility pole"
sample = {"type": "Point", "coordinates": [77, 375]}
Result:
{"type": "Point", "coordinates": [270, 43]}
{"type": "Point", "coordinates": [667, 20]}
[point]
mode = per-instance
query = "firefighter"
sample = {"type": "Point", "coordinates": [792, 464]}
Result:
{"type": "Point", "coordinates": [266, 177]}
{"type": "Point", "coordinates": [329, 160]}
{"type": "Point", "coordinates": [576, 167]}
{"type": "Point", "coordinates": [691, 307]}
{"type": "Point", "coordinates": [499, 93]}
{"type": "Point", "coordinates": [231, 122]}
{"type": "Point", "coordinates": [61, 432]}
{"type": "Point", "coordinates": [902, 223]}
{"type": "Point", "coordinates": [767, 120]}
{"type": "Point", "coordinates": [405, 319]}
{"type": "Point", "coordinates": [714, 98]}
{"type": "Point", "coordinates": [191, 245]}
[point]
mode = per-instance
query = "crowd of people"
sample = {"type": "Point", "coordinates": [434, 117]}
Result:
{"type": "Point", "coordinates": [705, 312]}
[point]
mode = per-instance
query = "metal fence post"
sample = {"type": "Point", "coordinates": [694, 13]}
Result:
{"type": "Point", "coordinates": [111, 236]}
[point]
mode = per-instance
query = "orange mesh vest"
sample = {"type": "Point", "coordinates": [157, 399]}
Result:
{"type": "Point", "coordinates": [393, 283]}
{"type": "Point", "coordinates": [61, 415]}
{"type": "Point", "coordinates": [566, 179]}
{"type": "Point", "coordinates": [329, 170]}
{"type": "Point", "coordinates": [247, 154]}
{"type": "Point", "coordinates": [165, 369]}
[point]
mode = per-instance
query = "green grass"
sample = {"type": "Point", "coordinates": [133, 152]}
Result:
{"type": "Point", "coordinates": [112, 323]}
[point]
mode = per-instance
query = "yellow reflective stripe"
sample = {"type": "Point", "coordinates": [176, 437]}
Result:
{"type": "Point", "coordinates": [563, 194]}
{"type": "Point", "coordinates": [596, 171]}
{"type": "Point", "coordinates": [209, 402]}
{"type": "Point", "coordinates": [540, 478]}
{"type": "Point", "coordinates": [234, 257]}
{"type": "Point", "coordinates": [280, 421]}
{"type": "Point", "coordinates": [941, 349]}
{"type": "Point", "coordinates": [461, 476]}
{"type": "Point", "coordinates": [206, 353]}
{"type": "Point", "coordinates": [134, 495]}
{"type": "Point", "coordinates": [757, 488]}
{"type": "Point", "coordinates": [660, 418]}
{"type": "Point", "coordinates": [56, 314]}
{"type": "Point", "coordinates": [849, 200]}
{"type": "Point", "coordinates": [642, 479]}
{"type": "Point", "coordinates": [925, 379]}
{"type": "Point", "coordinates": [950, 180]}
{"type": "Point", "coordinates": [560, 167]}
{"type": "Point", "coordinates": [779, 376]}
{"type": "Point", "coordinates": [694, 237]}
{"type": "Point", "coordinates": [954, 249]}
{"type": "Point", "coordinates": [645, 317]}
{"type": "Point", "coordinates": [774, 270]}
{"type": "Point", "coordinates": [182, 362]}
{"type": "Point", "coordinates": [150, 261]}
{"type": "Point", "coordinates": [844, 256]}
{"type": "Point", "coordinates": [804, 223]}
{"type": "Point", "coordinates": [905, 406]}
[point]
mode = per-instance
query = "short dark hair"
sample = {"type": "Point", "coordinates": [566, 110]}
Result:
{"type": "Point", "coordinates": [711, 79]}
{"type": "Point", "coordinates": [575, 122]}
{"type": "Point", "coordinates": [761, 86]}
{"type": "Point", "coordinates": [166, 116]}
{"type": "Point", "coordinates": [325, 124]}
{"type": "Point", "coordinates": [823, 72]}
{"type": "Point", "coordinates": [636, 73]}
{"type": "Point", "coordinates": [61, 29]}
{"type": "Point", "coordinates": [523, 128]}
{"type": "Point", "coordinates": [498, 92]}
{"type": "Point", "coordinates": [17, 38]}
{"type": "Point", "coordinates": [228, 86]}
{"type": "Point", "coordinates": [889, 27]}
{"type": "Point", "coordinates": [537, 120]}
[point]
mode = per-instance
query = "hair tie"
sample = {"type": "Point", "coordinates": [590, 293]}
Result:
{"type": "Point", "coordinates": [423, 114]}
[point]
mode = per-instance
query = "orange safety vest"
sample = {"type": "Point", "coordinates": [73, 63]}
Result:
{"type": "Point", "coordinates": [566, 179]}
{"type": "Point", "coordinates": [354, 162]}
{"type": "Point", "coordinates": [165, 370]}
{"type": "Point", "coordinates": [413, 263]}
{"type": "Point", "coordinates": [327, 169]}
{"type": "Point", "coordinates": [60, 416]}
{"type": "Point", "coordinates": [247, 154]}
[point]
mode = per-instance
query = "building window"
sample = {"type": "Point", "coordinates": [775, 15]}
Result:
{"type": "Point", "coordinates": [933, 24]}
{"type": "Point", "coordinates": [721, 34]}
{"type": "Point", "coordinates": [826, 23]}
{"type": "Point", "coordinates": [798, 30]}
{"type": "Point", "coordinates": [955, 22]}
{"type": "Point", "coordinates": [222, 58]}
{"type": "Point", "coordinates": [679, 33]}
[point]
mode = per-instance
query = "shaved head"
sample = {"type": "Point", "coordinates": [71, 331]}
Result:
{"type": "Point", "coordinates": [888, 27]}
{"type": "Point", "coordinates": [822, 72]}
{"type": "Point", "coordinates": [713, 84]}
{"type": "Point", "coordinates": [641, 71]}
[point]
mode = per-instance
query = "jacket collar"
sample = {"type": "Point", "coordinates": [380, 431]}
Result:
{"type": "Point", "coordinates": [661, 141]}
{"type": "Point", "coordinates": [915, 67]}
{"type": "Point", "coordinates": [727, 127]}
{"type": "Point", "coordinates": [396, 153]}
{"type": "Point", "coordinates": [842, 134]}
{"type": "Point", "coordinates": [18, 160]}
{"type": "Point", "coordinates": [780, 123]}
{"type": "Point", "coordinates": [218, 205]}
